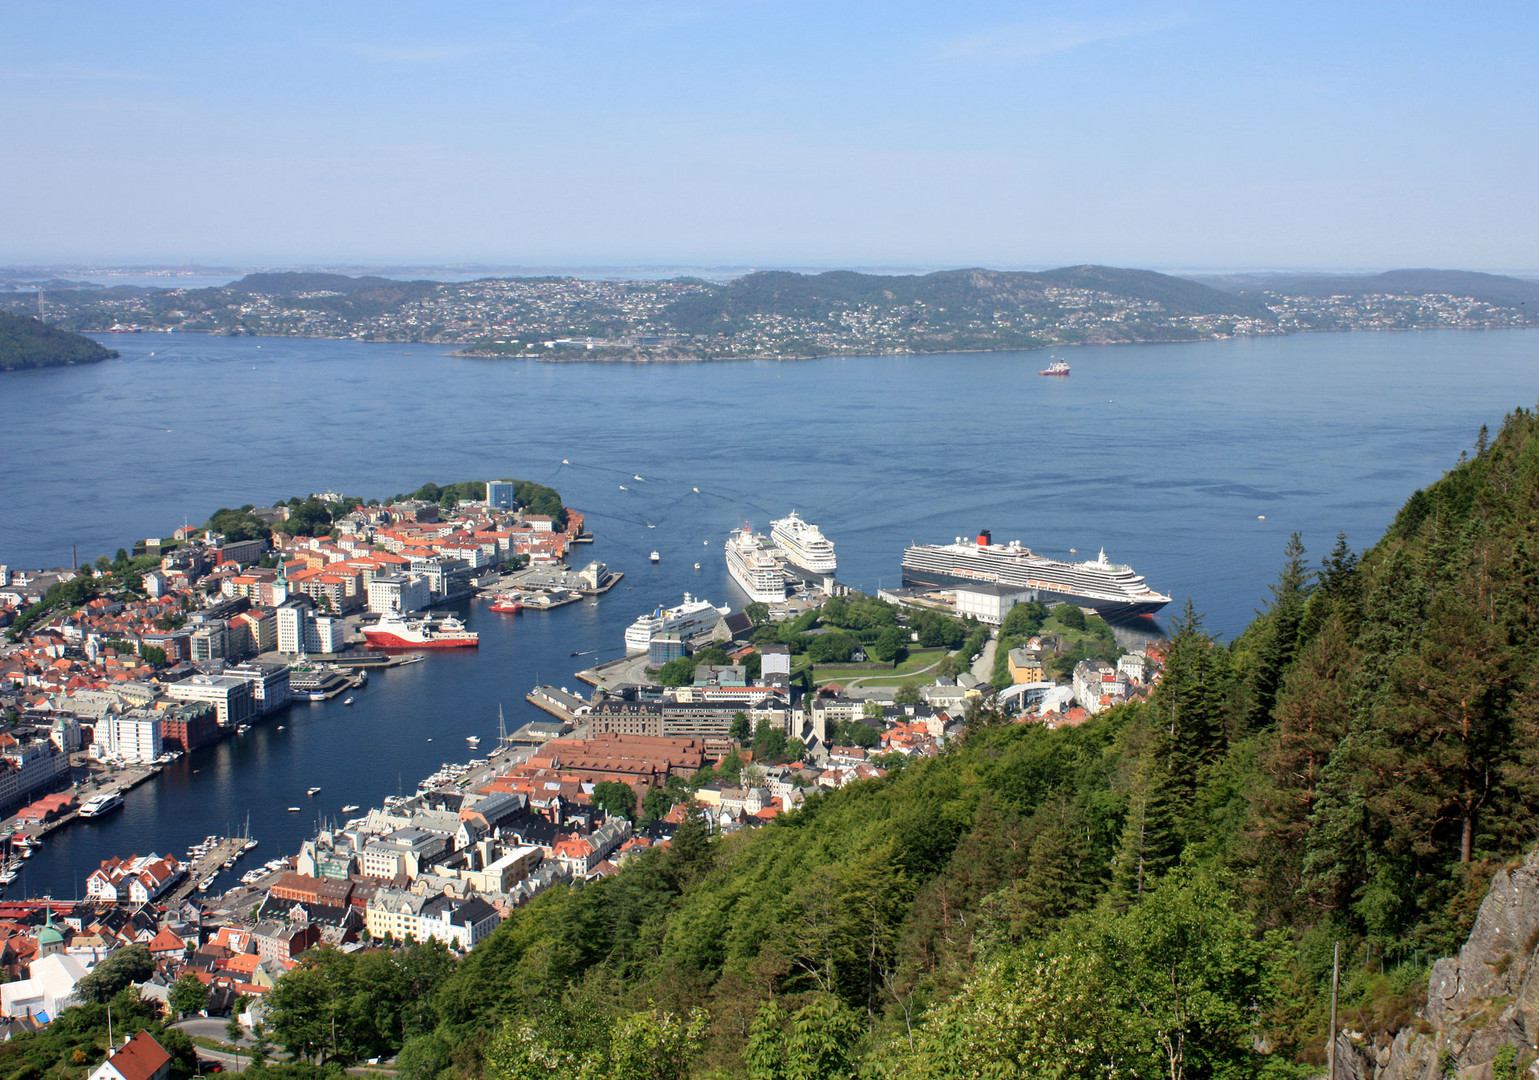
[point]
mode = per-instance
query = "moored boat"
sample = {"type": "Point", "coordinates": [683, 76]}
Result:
{"type": "Point", "coordinates": [395, 631]}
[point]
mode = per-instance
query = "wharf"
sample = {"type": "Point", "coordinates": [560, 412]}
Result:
{"type": "Point", "coordinates": [121, 781]}
{"type": "Point", "coordinates": [206, 866]}
{"type": "Point", "coordinates": [561, 704]}
{"type": "Point", "coordinates": [631, 668]}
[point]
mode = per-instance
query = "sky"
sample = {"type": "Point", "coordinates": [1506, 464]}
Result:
{"type": "Point", "coordinates": [1165, 135]}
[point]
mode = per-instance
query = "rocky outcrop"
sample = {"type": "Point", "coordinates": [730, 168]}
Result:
{"type": "Point", "coordinates": [1478, 1002]}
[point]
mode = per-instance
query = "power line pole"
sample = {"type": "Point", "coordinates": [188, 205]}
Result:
{"type": "Point", "coordinates": [1330, 1050]}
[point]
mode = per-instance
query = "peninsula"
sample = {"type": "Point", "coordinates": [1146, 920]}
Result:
{"type": "Point", "coordinates": [27, 342]}
{"type": "Point", "coordinates": [784, 315]}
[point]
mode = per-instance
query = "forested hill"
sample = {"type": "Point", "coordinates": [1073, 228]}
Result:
{"type": "Point", "coordinates": [1154, 893]}
{"type": "Point", "coordinates": [1488, 288]}
{"type": "Point", "coordinates": [956, 300]}
{"type": "Point", "coordinates": [26, 342]}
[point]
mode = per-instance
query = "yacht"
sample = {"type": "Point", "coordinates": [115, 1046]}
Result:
{"type": "Point", "coordinates": [101, 804]}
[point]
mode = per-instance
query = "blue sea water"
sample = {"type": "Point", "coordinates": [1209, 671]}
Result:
{"type": "Point", "coordinates": [1168, 456]}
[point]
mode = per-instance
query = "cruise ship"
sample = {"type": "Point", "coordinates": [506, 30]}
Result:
{"type": "Point", "coordinates": [101, 804]}
{"type": "Point", "coordinates": [804, 544]}
{"type": "Point", "coordinates": [396, 631]}
{"type": "Point", "coordinates": [685, 620]}
{"type": "Point", "coordinates": [754, 568]}
{"type": "Point", "coordinates": [1104, 587]}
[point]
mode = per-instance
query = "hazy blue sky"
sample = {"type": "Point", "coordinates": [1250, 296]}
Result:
{"type": "Point", "coordinates": [1182, 135]}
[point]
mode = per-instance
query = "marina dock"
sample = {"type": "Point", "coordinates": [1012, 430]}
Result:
{"type": "Point", "coordinates": [559, 703]}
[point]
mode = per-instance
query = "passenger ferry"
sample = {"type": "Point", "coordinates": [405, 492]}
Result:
{"type": "Point", "coordinates": [685, 620]}
{"type": "Point", "coordinates": [754, 568]}
{"type": "Point", "coordinates": [395, 631]}
{"type": "Point", "coordinates": [101, 804]}
{"type": "Point", "coordinates": [1105, 587]}
{"type": "Point", "coordinates": [804, 544]}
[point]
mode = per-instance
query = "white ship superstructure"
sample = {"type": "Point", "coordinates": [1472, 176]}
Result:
{"type": "Point", "coordinates": [1106, 587]}
{"type": "Point", "coordinates": [685, 620]}
{"type": "Point", "coordinates": [803, 544]}
{"type": "Point", "coordinates": [754, 568]}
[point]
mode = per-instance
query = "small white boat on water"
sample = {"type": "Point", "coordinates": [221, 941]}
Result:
{"type": "Point", "coordinates": [347, 701]}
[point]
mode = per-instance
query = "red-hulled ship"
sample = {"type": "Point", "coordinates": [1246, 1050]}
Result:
{"type": "Point", "coordinates": [507, 603]}
{"type": "Point", "coordinates": [395, 631]}
{"type": "Point", "coordinates": [1057, 367]}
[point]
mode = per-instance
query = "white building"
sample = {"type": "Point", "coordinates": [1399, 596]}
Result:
{"type": "Point", "coordinates": [231, 696]}
{"type": "Point", "coordinates": [269, 685]}
{"type": "Point", "coordinates": [300, 630]}
{"type": "Point", "coordinates": [399, 592]}
{"type": "Point", "coordinates": [988, 603]}
{"type": "Point", "coordinates": [48, 992]}
{"type": "Point", "coordinates": [133, 737]}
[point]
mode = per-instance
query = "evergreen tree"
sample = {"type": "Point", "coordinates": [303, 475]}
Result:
{"type": "Point", "coordinates": [1279, 634]}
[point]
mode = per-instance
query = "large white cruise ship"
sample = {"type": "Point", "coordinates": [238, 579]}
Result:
{"type": "Point", "coordinates": [804, 544]}
{"type": "Point", "coordinates": [1105, 587]}
{"type": "Point", "coordinates": [690, 617]}
{"type": "Point", "coordinates": [754, 568]}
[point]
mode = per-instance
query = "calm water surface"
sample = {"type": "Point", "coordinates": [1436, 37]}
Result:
{"type": "Point", "coordinates": [1166, 455]}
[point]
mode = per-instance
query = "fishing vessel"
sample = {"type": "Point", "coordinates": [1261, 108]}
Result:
{"type": "Point", "coordinates": [101, 804]}
{"type": "Point", "coordinates": [1104, 587]}
{"type": "Point", "coordinates": [803, 544]}
{"type": "Point", "coordinates": [685, 620]}
{"type": "Point", "coordinates": [1057, 367]}
{"type": "Point", "coordinates": [395, 631]}
{"type": "Point", "coordinates": [754, 568]}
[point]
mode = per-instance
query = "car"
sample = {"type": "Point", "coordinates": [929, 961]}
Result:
{"type": "Point", "coordinates": [976, 657]}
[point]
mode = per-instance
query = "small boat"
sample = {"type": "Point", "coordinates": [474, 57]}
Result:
{"type": "Point", "coordinates": [697, 566]}
{"type": "Point", "coordinates": [248, 845]}
{"type": "Point", "coordinates": [473, 740]}
{"type": "Point", "coordinates": [242, 729]}
{"type": "Point", "coordinates": [349, 808]}
{"type": "Point", "coordinates": [705, 543]}
{"type": "Point", "coordinates": [650, 525]}
{"type": "Point", "coordinates": [624, 488]}
{"type": "Point", "coordinates": [430, 738]}
{"type": "Point", "coordinates": [282, 726]}
{"type": "Point", "coordinates": [312, 791]}
{"type": "Point", "coordinates": [205, 883]}
{"type": "Point", "coordinates": [637, 477]}
{"type": "Point", "coordinates": [229, 864]}
{"type": "Point", "coordinates": [564, 461]}
{"type": "Point", "coordinates": [295, 809]}
{"type": "Point", "coordinates": [695, 490]}
{"type": "Point", "coordinates": [654, 556]}
{"type": "Point", "coordinates": [347, 701]}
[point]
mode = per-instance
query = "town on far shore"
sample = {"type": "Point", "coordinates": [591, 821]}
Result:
{"type": "Point", "coordinates": [714, 721]}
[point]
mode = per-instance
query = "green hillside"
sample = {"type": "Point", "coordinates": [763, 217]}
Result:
{"type": "Point", "coordinates": [26, 342]}
{"type": "Point", "coordinates": [953, 299]}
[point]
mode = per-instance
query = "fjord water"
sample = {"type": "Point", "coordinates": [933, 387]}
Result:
{"type": "Point", "coordinates": [1166, 455]}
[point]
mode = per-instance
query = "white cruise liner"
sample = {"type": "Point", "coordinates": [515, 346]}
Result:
{"type": "Point", "coordinates": [804, 544]}
{"type": "Point", "coordinates": [754, 568]}
{"type": "Point", "coordinates": [688, 618]}
{"type": "Point", "coordinates": [1105, 587]}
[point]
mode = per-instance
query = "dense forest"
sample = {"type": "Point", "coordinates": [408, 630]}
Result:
{"type": "Point", "coordinates": [26, 342]}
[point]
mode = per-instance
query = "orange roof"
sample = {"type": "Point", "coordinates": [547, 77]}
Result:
{"type": "Point", "coordinates": [140, 1057]}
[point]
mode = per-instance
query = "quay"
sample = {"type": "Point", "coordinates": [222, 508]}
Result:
{"type": "Point", "coordinates": [561, 704]}
{"type": "Point", "coordinates": [225, 849]}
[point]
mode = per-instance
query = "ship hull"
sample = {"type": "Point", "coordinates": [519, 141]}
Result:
{"type": "Point", "coordinates": [393, 641]}
{"type": "Point", "coordinates": [1106, 607]}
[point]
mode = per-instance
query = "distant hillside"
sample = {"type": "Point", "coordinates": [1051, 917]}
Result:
{"type": "Point", "coordinates": [26, 342]}
{"type": "Point", "coordinates": [1490, 288]}
{"type": "Point", "coordinates": [950, 297]}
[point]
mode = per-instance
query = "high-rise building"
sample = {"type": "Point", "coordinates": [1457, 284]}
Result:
{"type": "Point", "coordinates": [499, 494]}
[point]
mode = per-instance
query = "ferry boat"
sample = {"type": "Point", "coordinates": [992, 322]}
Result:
{"type": "Point", "coordinates": [1057, 367]}
{"type": "Point", "coordinates": [754, 568]}
{"type": "Point", "coordinates": [509, 603]}
{"type": "Point", "coordinates": [101, 804]}
{"type": "Point", "coordinates": [395, 631]}
{"type": "Point", "coordinates": [804, 544]}
{"type": "Point", "coordinates": [1105, 587]}
{"type": "Point", "coordinates": [685, 620]}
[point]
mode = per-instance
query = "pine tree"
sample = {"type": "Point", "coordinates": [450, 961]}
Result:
{"type": "Point", "coordinates": [1151, 841]}
{"type": "Point", "coordinates": [1279, 633]}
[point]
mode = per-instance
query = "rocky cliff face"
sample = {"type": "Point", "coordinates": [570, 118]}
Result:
{"type": "Point", "coordinates": [1478, 1002]}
